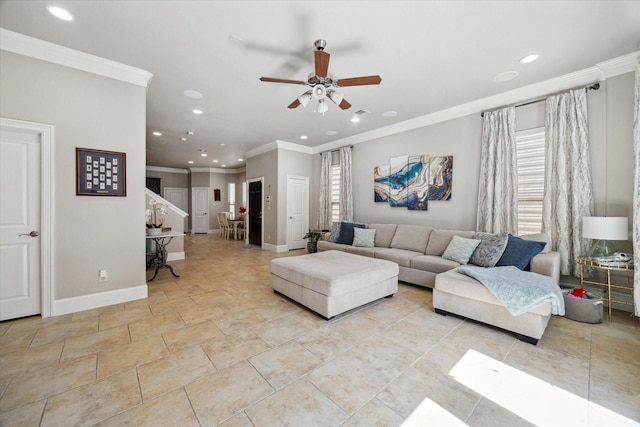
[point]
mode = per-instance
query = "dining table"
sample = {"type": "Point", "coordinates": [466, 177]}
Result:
{"type": "Point", "coordinates": [236, 223]}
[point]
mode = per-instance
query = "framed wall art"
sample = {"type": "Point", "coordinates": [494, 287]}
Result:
{"type": "Point", "coordinates": [100, 173]}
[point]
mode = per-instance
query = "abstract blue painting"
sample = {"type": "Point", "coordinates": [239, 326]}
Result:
{"type": "Point", "coordinates": [398, 174]}
{"type": "Point", "coordinates": [418, 183]}
{"type": "Point", "coordinates": [381, 184]}
{"type": "Point", "coordinates": [440, 175]}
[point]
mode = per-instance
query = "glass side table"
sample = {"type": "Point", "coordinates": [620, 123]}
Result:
{"type": "Point", "coordinates": [608, 266]}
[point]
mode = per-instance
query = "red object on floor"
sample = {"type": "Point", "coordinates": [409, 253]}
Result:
{"type": "Point", "coordinates": [579, 292]}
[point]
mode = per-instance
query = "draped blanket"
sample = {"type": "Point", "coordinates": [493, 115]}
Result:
{"type": "Point", "coordinates": [518, 290]}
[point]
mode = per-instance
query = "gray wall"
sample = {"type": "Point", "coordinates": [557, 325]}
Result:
{"type": "Point", "coordinates": [170, 179]}
{"type": "Point", "coordinates": [610, 127]}
{"type": "Point", "coordinates": [89, 111]}
{"type": "Point", "coordinates": [265, 166]}
{"type": "Point", "coordinates": [290, 163]}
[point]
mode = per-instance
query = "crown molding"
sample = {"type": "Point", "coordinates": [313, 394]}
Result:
{"type": "Point", "coordinates": [279, 145]}
{"type": "Point", "coordinates": [218, 170]}
{"type": "Point", "coordinates": [599, 72]}
{"type": "Point", "coordinates": [45, 51]}
{"type": "Point", "coordinates": [169, 170]}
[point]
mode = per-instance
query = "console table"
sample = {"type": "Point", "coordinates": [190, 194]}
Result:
{"type": "Point", "coordinates": [159, 259]}
{"type": "Point", "coordinates": [584, 261]}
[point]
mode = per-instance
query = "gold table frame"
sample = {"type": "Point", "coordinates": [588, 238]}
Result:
{"type": "Point", "coordinates": [584, 261]}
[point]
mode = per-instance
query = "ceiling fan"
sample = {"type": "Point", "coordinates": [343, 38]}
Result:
{"type": "Point", "coordinates": [322, 83]}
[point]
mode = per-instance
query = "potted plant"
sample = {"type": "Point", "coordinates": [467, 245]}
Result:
{"type": "Point", "coordinates": [312, 240]}
{"type": "Point", "coordinates": [154, 222]}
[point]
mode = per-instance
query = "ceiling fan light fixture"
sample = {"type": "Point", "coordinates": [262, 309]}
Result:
{"type": "Point", "coordinates": [322, 107]}
{"type": "Point", "coordinates": [336, 97]}
{"type": "Point", "coordinates": [304, 99]}
{"type": "Point", "coordinates": [319, 92]}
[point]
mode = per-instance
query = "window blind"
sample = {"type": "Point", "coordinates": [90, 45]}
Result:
{"type": "Point", "coordinates": [530, 166]}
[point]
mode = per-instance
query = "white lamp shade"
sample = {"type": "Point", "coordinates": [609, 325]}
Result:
{"type": "Point", "coordinates": [605, 228]}
{"type": "Point", "coordinates": [304, 99]}
{"type": "Point", "coordinates": [319, 91]}
{"type": "Point", "coordinates": [322, 107]}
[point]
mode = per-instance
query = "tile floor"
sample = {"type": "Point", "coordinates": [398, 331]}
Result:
{"type": "Point", "coordinates": [218, 347]}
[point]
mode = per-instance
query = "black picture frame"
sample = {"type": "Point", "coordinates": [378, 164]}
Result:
{"type": "Point", "coordinates": [101, 173]}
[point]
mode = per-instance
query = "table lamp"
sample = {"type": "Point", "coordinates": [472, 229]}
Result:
{"type": "Point", "coordinates": [602, 229]}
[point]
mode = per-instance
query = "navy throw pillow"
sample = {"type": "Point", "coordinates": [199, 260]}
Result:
{"type": "Point", "coordinates": [519, 252]}
{"type": "Point", "coordinates": [346, 232]}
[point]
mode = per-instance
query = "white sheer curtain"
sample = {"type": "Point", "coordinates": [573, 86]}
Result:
{"type": "Point", "coordinates": [498, 192]}
{"type": "Point", "coordinates": [346, 185]}
{"type": "Point", "coordinates": [568, 195]}
{"type": "Point", "coordinates": [324, 210]}
{"type": "Point", "coordinates": [636, 193]}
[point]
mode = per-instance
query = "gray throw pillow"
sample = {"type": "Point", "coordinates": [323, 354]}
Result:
{"type": "Point", "coordinates": [335, 232]}
{"type": "Point", "coordinates": [490, 249]}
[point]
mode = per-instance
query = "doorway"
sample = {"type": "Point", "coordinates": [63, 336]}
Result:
{"type": "Point", "coordinates": [200, 210]}
{"type": "Point", "coordinates": [255, 213]}
{"type": "Point", "coordinates": [297, 211]}
{"type": "Point", "coordinates": [26, 234]}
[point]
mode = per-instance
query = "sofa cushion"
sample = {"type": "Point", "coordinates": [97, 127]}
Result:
{"type": "Point", "coordinates": [519, 252]}
{"type": "Point", "coordinates": [460, 249]}
{"type": "Point", "coordinates": [357, 250]}
{"type": "Point", "coordinates": [346, 232]}
{"type": "Point", "coordinates": [384, 234]}
{"type": "Point", "coordinates": [401, 257]}
{"type": "Point", "coordinates": [539, 237]}
{"type": "Point", "coordinates": [323, 245]}
{"type": "Point", "coordinates": [411, 237]}
{"type": "Point", "coordinates": [440, 239]}
{"type": "Point", "coordinates": [364, 237]}
{"type": "Point", "coordinates": [490, 249]}
{"type": "Point", "coordinates": [432, 263]}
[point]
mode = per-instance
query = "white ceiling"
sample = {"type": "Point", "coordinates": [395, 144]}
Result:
{"type": "Point", "coordinates": [431, 55]}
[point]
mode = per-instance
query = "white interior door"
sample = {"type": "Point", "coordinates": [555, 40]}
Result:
{"type": "Point", "coordinates": [20, 195]}
{"type": "Point", "coordinates": [297, 211]}
{"type": "Point", "coordinates": [179, 198]}
{"type": "Point", "coordinates": [200, 204]}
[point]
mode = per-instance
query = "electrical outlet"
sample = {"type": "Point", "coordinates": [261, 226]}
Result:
{"type": "Point", "coordinates": [102, 275]}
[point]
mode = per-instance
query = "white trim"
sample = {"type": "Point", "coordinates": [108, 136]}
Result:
{"type": "Point", "coordinates": [279, 145]}
{"type": "Point", "coordinates": [45, 51]}
{"type": "Point", "coordinates": [214, 231]}
{"type": "Point", "coordinates": [620, 65]}
{"type": "Point", "coordinates": [162, 200]}
{"type": "Point", "coordinates": [275, 248]}
{"type": "Point", "coordinates": [175, 256]}
{"type": "Point", "coordinates": [218, 170]}
{"type": "Point", "coordinates": [47, 208]}
{"type": "Point", "coordinates": [168, 170]}
{"type": "Point", "coordinates": [261, 150]}
{"type": "Point", "coordinates": [102, 299]}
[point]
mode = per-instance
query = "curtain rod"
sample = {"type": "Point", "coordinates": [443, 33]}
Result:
{"type": "Point", "coordinates": [594, 86]}
{"type": "Point", "coordinates": [334, 151]}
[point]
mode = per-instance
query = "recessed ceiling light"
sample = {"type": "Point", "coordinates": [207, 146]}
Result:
{"type": "Point", "coordinates": [506, 76]}
{"type": "Point", "coordinates": [183, 139]}
{"type": "Point", "coordinates": [355, 119]}
{"type": "Point", "coordinates": [529, 58]}
{"type": "Point", "coordinates": [190, 132]}
{"type": "Point", "coordinates": [221, 145]}
{"type": "Point", "coordinates": [240, 160]}
{"type": "Point", "coordinates": [190, 162]}
{"type": "Point", "coordinates": [224, 166]}
{"type": "Point", "coordinates": [303, 136]}
{"type": "Point", "coordinates": [389, 114]}
{"type": "Point", "coordinates": [157, 133]}
{"type": "Point", "coordinates": [196, 111]}
{"type": "Point", "coordinates": [331, 132]}
{"type": "Point", "coordinates": [204, 154]}
{"type": "Point", "coordinates": [193, 94]}
{"type": "Point", "coordinates": [215, 161]}
{"type": "Point", "coordinates": [60, 13]}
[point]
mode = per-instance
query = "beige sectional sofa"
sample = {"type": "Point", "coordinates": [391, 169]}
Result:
{"type": "Point", "coordinates": [418, 252]}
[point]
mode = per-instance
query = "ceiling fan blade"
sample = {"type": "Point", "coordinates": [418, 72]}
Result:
{"type": "Point", "coordinates": [322, 63]}
{"type": "Point", "coordinates": [274, 80]}
{"type": "Point", "coordinates": [344, 104]}
{"type": "Point", "coordinates": [294, 104]}
{"type": "Point", "coordinates": [358, 81]}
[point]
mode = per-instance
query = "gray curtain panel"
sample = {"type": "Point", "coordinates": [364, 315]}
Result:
{"type": "Point", "coordinates": [636, 192]}
{"type": "Point", "coordinates": [498, 189]}
{"type": "Point", "coordinates": [324, 210]}
{"type": "Point", "coordinates": [568, 193]}
{"type": "Point", "coordinates": [346, 185]}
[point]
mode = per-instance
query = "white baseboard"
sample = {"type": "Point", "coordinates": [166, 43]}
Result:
{"type": "Point", "coordinates": [87, 302]}
{"type": "Point", "coordinates": [214, 231]}
{"type": "Point", "coordinates": [175, 256]}
{"type": "Point", "coordinates": [275, 248]}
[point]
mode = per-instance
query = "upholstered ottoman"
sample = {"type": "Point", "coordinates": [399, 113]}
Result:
{"type": "Point", "coordinates": [333, 282]}
{"type": "Point", "coordinates": [460, 294]}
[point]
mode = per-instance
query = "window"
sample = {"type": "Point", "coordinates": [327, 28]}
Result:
{"type": "Point", "coordinates": [244, 194]}
{"type": "Point", "coordinates": [530, 161]}
{"type": "Point", "coordinates": [232, 200]}
{"type": "Point", "coordinates": [335, 188]}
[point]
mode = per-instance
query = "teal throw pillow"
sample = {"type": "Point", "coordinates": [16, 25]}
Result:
{"type": "Point", "coordinates": [460, 249]}
{"type": "Point", "coordinates": [364, 237]}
